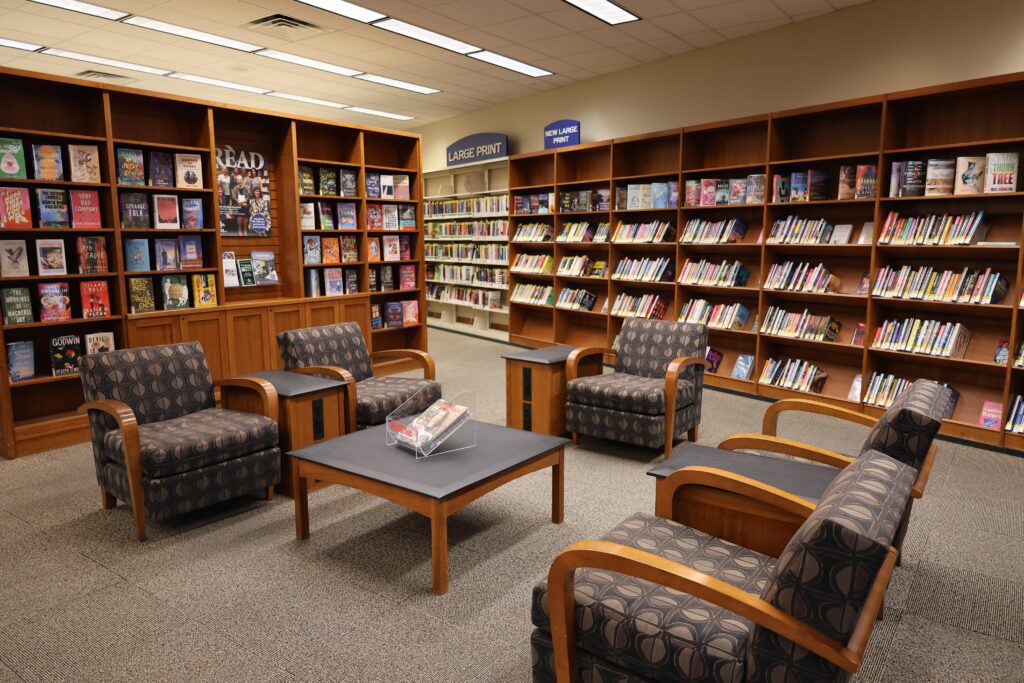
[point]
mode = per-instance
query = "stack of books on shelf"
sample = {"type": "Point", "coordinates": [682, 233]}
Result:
{"type": "Point", "coordinates": [318, 215]}
{"type": "Point", "coordinates": [392, 314]}
{"type": "Point", "coordinates": [576, 300]}
{"type": "Point", "coordinates": [317, 250]}
{"type": "Point", "coordinates": [467, 231]}
{"type": "Point", "coordinates": [708, 274]}
{"type": "Point", "coordinates": [934, 229]}
{"type": "Point", "coordinates": [723, 191]}
{"type": "Point", "coordinates": [1015, 420]}
{"type": "Point", "coordinates": [490, 205]}
{"type": "Point", "coordinates": [389, 217]}
{"type": "Point", "coordinates": [65, 353]}
{"type": "Point", "coordinates": [792, 373]}
{"type": "Point", "coordinates": [175, 293]}
{"type": "Point", "coordinates": [330, 182]}
{"type": "Point", "coordinates": [453, 294]}
{"type": "Point", "coordinates": [579, 201]}
{"type": "Point", "coordinates": [338, 281]}
{"type": "Point", "coordinates": [581, 232]}
{"type": "Point", "coordinates": [382, 278]}
{"type": "Point", "coordinates": [538, 264]}
{"type": "Point", "coordinates": [650, 306]}
{"type": "Point", "coordinates": [931, 337]}
{"type": "Point", "coordinates": [801, 277]}
{"type": "Point", "coordinates": [783, 323]}
{"type": "Point", "coordinates": [796, 230]}
{"type": "Point", "coordinates": [702, 231]}
{"type": "Point", "coordinates": [538, 295]}
{"type": "Point", "coordinates": [385, 185]}
{"type": "Point", "coordinates": [533, 232]}
{"type": "Point", "coordinates": [83, 162]}
{"type": "Point", "coordinates": [581, 266]}
{"type": "Point", "coordinates": [929, 284]}
{"type": "Point", "coordinates": [992, 173]}
{"type": "Point", "coordinates": [655, 231]}
{"type": "Point", "coordinates": [812, 185]}
{"type": "Point", "coordinates": [484, 253]}
{"type": "Point", "coordinates": [883, 389]}
{"type": "Point", "coordinates": [644, 269]}
{"type": "Point", "coordinates": [468, 275]}
{"type": "Point", "coordinates": [543, 202]}
{"type": "Point", "coordinates": [663, 195]}
{"type": "Point", "coordinates": [720, 316]}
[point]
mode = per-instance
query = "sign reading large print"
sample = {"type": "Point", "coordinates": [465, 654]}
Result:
{"type": "Point", "coordinates": [564, 133]}
{"type": "Point", "coordinates": [477, 147]}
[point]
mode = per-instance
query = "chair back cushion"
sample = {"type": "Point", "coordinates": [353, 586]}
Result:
{"type": "Point", "coordinates": [826, 571]}
{"type": "Point", "coordinates": [646, 347]}
{"type": "Point", "coordinates": [341, 345]}
{"type": "Point", "coordinates": [906, 430]}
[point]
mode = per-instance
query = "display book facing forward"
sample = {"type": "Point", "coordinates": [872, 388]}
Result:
{"type": "Point", "coordinates": [430, 429]}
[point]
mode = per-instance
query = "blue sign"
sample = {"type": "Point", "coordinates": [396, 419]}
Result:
{"type": "Point", "coordinates": [564, 133]}
{"type": "Point", "coordinates": [477, 147]}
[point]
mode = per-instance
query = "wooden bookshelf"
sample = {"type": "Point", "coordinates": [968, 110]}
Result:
{"type": "Point", "coordinates": [239, 334]}
{"type": "Point", "coordinates": [960, 119]}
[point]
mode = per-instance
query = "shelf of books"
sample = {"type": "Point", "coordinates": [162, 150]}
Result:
{"type": "Point", "coordinates": [839, 251]}
{"type": "Point", "coordinates": [466, 221]}
{"type": "Point", "coordinates": [131, 219]}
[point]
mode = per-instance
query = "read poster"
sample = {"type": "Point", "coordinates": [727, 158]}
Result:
{"type": "Point", "coordinates": [243, 189]}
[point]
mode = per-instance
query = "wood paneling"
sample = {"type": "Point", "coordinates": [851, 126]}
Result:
{"type": "Point", "coordinates": [154, 331]}
{"type": "Point", "coordinates": [208, 329]}
{"type": "Point", "coordinates": [283, 319]}
{"type": "Point", "coordinates": [248, 340]}
{"type": "Point", "coordinates": [323, 312]}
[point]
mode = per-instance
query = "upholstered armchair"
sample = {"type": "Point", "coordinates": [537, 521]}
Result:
{"type": "Point", "coordinates": [160, 443]}
{"type": "Point", "coordinates": [339, 351]}
{"type": "Point", "coordinates": [655, 600]}
{"type": "Point", "coordinates": [654, 395]}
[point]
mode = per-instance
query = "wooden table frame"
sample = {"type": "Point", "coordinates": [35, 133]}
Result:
{"type": "Point", "coordinates": [438, 510]}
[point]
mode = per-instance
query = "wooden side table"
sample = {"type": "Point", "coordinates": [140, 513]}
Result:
{"type": "Point", "coordinates": [535, 388]}
{"type": "Point", "coordinates": [311, 409]}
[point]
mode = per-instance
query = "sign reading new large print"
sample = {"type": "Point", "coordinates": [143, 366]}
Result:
{"type": "Point", "coordinates": [564, 133]}
{"type": "Point", "coordinates": [477, 147]}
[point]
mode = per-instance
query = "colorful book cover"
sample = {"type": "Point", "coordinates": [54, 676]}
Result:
{"type": "Point", "coordinates": [190, 252]}
{"type": "Point", "coordinates": [372, 185]}
{"type": "Point", "coordinates": [407, 276]}
{"type": "Point", "coordinates": [99, 342]}
{"type": "Point", "coordinates": [328, 182]}
{"type": "Point", "coordinates": [48, 162]}
{"type": "Point", "coordinates": [92, 254]}
{"type": "Point", "coordinates": [131, 167]}
{"type": "Point", "coordinates": [140, 295]}
{"type": "Point", "coordinates": [721, 192]}
{"type": "Point", "coordinates": [410, 313]}
{"type": "Point", "coordinates": [165, 212]}
{"type": "Point", "coordinates": [65, 354]}
{"type": "Point", "coordinates": [188, 170]}
{"type": "Point", "coordinates": [50, 257]}
{"type": "Point", "coordinates": [347, 216]}
{"type": "Point", "coordinates": [166, 254]}
{"type": "Point", "coordinates": [392, 249]}
{"type": "Point", "coordinates": [405, 247]}
{"type": "Point", "coordinates": [17, 306]}
{"type": "Point", "coordinates": [376, 322]}
{"type": "Point", "coordinates": [84, 162]}
{"type": "Point", "coordinates": [306, 185]}
{"type": "Point", "coordinates": [95, 298]}
{"type": "Point", "coordinates": [333, 283]}
{"type": "Point", "coordinates": [1001, 172]}
{"type": "Point", "coordinates": [867, 180]}
{"type": "Point", "coordinates": [246, 274]}
{"type": "Point", "coordinates": [847, 182]}
{"type": "Point", "coordinates": [264, 267]}
{"type": "Point", "coordinates": [326, 220]}
{"type": "Point", "coordinates": [691, 196]}
{"type": "Point", "coordinates": [54, 301]}
{"type": "Point", "coordinates": [1002, 352]}
{"type": "Point", "coordinates": [175, 292]}
{"type": "Point", "coordinates": [402, 187]}
{"type": "Point", "coordinates": [394, 316]}
{"type": "Point", "coordinates": [331, 250]}
{"type": "Point", "coordinates": [85, 210]}
{"type": "Point", "coordinates": [161, 169]}
{"type": "Point", "coordinates": [780, 189]}
{"type": "Point", "coordinates": [374, 217]}
{"type": "Point", "coordinates": [12, 159]}
{"type": "Point", "coordinates": [970, 175]}
{"type": "Point", "coordinates": [373, 248]}
{"type": "Point", "coordinates": [738, 191]}
{"type": "Point", "coordinates": [991, 415]}
{"type": "Point", "coordinates": [349, 185]}
{"type": "Point", "coordinates": [21, 360]}
{"type": "Point", "coordinates": [755, 188]}
{"type": "Point", "coordinates": [939, 177]}
{"type": "Point", "coordinates": [349, 249]}
{"type": "Point", "coordinates": [798, 187]}
{"type": "Point", "coordinates": [387, 186]}
{"type": "Point", "coordinates": [390, 213]}
{"type": "Point", "coordinates": [243, 187]}
{"type": "Point", "coordinates": [743, 367]}
{"type": "Point", "coordinates": [136, 255]}
{"type": "Point", "coordinates": [407, 217]}
{"type": "Point", "coordinates": [15, 211]}
{"type": "Point", "coordinates": [351, 281]}
{"type": "Point", "coordinates": [192, 217]}
{"type": "Point", "coordinates": [13, 258]}
{"type": "Point", "coordinates": [134, 211]}
{"type": "Point", "coordinates": [714, 359]}
{"type": "Point", "coordinates": [311, 253]}
{"type": "Point", "coordinates": [53, 208]}
{"type": "Point", "coordinates": [204, 290]}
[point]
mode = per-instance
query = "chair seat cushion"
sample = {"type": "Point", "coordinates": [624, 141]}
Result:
{"type": "Point", "coordinates": [376, 397]}
{"type": "Point", "coordinates": [657, 632]}
{"type": "Point", "coordinates": [630, 393]}
{"type": "Point", "coordinates": [196, 440]}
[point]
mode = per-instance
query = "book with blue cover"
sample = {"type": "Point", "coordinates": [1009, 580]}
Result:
{"type": "Point", "coordinates": [347, 216]}
{"type": "Point", "coordinates": [659, 195]}
{"type": "Point", "coordinates": [53, 208]}
{"type": "Point", "coordinates": [192, 213]}
{"type": "Point", "coordinates": [21, 360]}
{"type": "Point", "coordinates": [48, 162]}
{"type": "Point", "coordinates": [136, 255]}
{"type": "Point", "coordinates": [744, 366]}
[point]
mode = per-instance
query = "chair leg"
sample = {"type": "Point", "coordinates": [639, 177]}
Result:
{"type": "Point", "coordinates": [138, 500]}
{"type": "Point", "coordinates": [140, 522]}
{"type": "Point", "coordinates": [107, 499]}
{"type": "Point", "coordinates": [575, 439]}
{"type": "Point", "coordinates": [693, 434]}
{"type": "Point", "coordinates": [270, 492]}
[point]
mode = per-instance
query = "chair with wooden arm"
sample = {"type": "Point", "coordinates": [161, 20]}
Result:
{"type": "Point", "coordinates": [159, 440]}
{"type": "Point", "coordinates": [654, 396]}
{"type": "Point", "coordinates": [656, 600]}
{"type": "Point", "coordinates": [339, 351]}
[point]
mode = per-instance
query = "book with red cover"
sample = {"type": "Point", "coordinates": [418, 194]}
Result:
{"type": "Point", "coordinates": [407, 276]}
{"type": "Point", "coordinates": [410, 313]}
{"type": "Point", "coordinates": [95, 299]}
{"type": "Point", "coordinates": [85, 210]}
{"type": "Point", "coordinates": [15, 208]}
{"type": "Point", "coordinates": [331, 250]}
{"type": "Point", "coordinates": [374, 217]}
{"type": "Point", "coordinates": [92, 254]}
{"type": "Point", "coordinates": [405, 247]}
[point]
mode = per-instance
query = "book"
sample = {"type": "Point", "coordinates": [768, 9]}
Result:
{"type": "Point", "coordinates": [328, 182]}
{"type": "Point", "coordinates": [175, 292]}
{"type": "Point", "coordinates": [311, 253]}
{"type": "Point", "coordinates": [326, 221]}
{"type": "Point", "coordinates": [95, 298]}
{"type": "Point", "coordinates": [192, 213]}
{"type": "Point", "coordinates": [372, 183]}
{"type": "Point", "coordinates": [17, 303]}
{"type": "Point", "coordinates": [1002, 355]}
{"type": "Point", "coordinates": [204, 290]}
{"type": "Point", "coordinates": [306, 184]}
{"type": "Point", "coordinates": [970, 175]}
{"type": "Point", "coordinates": [12, 159]}
{"type": "Point", "coordinates": [991, 416]}
{"type": "Point", "coordinates": [134, 211]}
{"type": "Point", "coordinates": [13, 258]}
{"type": "Point", "coordinates": [330, 250]}
{"type": "Point", "coordinates": [140, 295]}
{"type": "Point", "coordinates": [166, 254]}
{"type": "Point", "coordinates": [351, 281]}
{"type": "Point", "coordinates": [348, 183]}
{"type": "Point", "coordinates": [131, 168]}
{"type": "Point", "coordinates": [264, 267]}
{"type": "Point", "coordinates": [312, 282]}
{"type": "Point", "coordinates": [85, 209]}
{"type": "Point", "coordinates": [347, 216]}
{"type": "Point", "coordinates": [188, 170]}
{"type": "Point", "coordinates": [780, 189]}
{"type": "Point", "coordinates": [738, 191]}
{"type": "Point", "coordinates": [817, 185]}
{"type": "Point", "coordinates": [21, 360]}
{"type": "Point", "coordinates": [896, 178]}
{"type": "Point", "coordinates": [387, 186]}
{"type": "Point", "coordinates": [939, 177]}
{"type": "Point", "coordinates": [373, 249]}
{"type": "Point", "coordinates": [47, 162]}
{"type": "Point", "coordinates": [165, 212]}
{"type": "Point", "coordinates": [99, 342]}
{"type": "Point", "coordinates": [407, 276]}
{"type": "Point", "coordinates": [410, 313]}
{"type": "Point", "coordinates": [1001, 172]}
{"type": "Point", "coordinates": [50, 257]}
{"type": "Point", "coordinates": [333, 282]}
{"type": "Point", "coordinates": [867, 233]}
{"type": "Point", "coordinates": [393, 314]}
{"type": "Point", "coordinates": [54, 301]}
{"type": "Point", "coordinates": [190, 252]}
{"type": "Point", "coordinates": [136, 255]}
{"type": "Point", "coordinates": [65, 354]}
{"type": "Point", "coordinates": [349, 249]}
{"type": "Point", "coordinates": [405, 247]}
{"type": "Point", "coordinates": [798, 187]}
{"type": "Point", "coordinates": [755, 188]}
{"type": "Point", "coordinates": [376, 321]}
{"type": "Point", "coordinates": [92, 254]}
{"type": "Point", "coordinates": [858, 335]}
{"type": "Point", "coordinates": [847, 182]}
{"type": "Point", "coordinates": [867, 179]}
{"type": "Point", "coordinates": [387, 278]}
{"type": "Point", "coordinates": [912, 181]}
{"type": "Point", "coordinates": [401, 186]}
{"type": "Point", "coordinates": [392, 249]}
{"type": "Point", "coordinates": [53, 208]}
{"type": "Point", "coordinates": [161, 169]}
{"type": "Point", "coordinates": [229, 269]}
{"type": "Point", "coordinates": [714, 359]}
{"type": "Point", "coordinates": [246, 274]}
{"type": "Point", "coordinates": [374, 217]}
{"type": "Point", "coordinates": [855, 386]}
{"type": "Point", "coordinates": [721, 193]}
{"type": "Point", "coordinates": [431, 428]}
{"type": "Point", "coordinates": [841, 234]}
{"type": "Point", "coordinates": [407, 217]}
{"type": "Point", "coordinates": [371, 278]}
{"type": "Point", "coordinates": [390, 213]}
{"type": "Point", "coordinates": [15, 211]}
{"type": "Point", "coordinates": [84, 163]}
{"type": "Point", "coordinates": [307, 216]}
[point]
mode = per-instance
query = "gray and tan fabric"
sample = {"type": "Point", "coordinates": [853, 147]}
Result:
{"type": "Point", "coordinates": [633, 393]}
{"type": "Point", "coordinates": [635, 428]}
{"type": "Point", "coordinates": [341, 345]}
{"type": "Point", "coordinates": [592, 669]}
{"type": "Point", "coordinates": [376, 397]}
{"type": "Point", "coordinates": [905, 431]}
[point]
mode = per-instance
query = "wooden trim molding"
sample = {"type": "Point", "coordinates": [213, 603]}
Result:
{"type": "Point", "coordinates": [424, 359]}
{"type": "Point", "coordinates": [770, 424]}
{"type": "Point", "coordinates": [671, 390]}
{"type": "Point", "coordinates": [777, 444]}
{"type": "Point", "coordinates": [262, 388]}
{"type": "Point", "coordinates": [129, 426]}
{"type": "Point", "coordinates": [723, 480]}
{"type": "Point", "coordinates": [342, 375]}
{"type": "Point", "coordinates": [572, 363]}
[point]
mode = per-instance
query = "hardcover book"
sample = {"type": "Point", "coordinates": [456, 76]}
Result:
{"type": "Point", "coordinates": [374, 217]}
{"type": "Point", "coordinates": [311, 253]}
{"type": "Point", "coordinates": [714, 359]}
{"type": "Point", "coordinates": [95, 298]}
{"type": "Point", "coordinates": [374, 286]}
{"type": "Point", "coordinates": [349, 249]}
{"type": "Point", "coordinates": [65, 354]}
{"type": "Point", "coordinates": [17, 306]}
{"type": "Point", "coordinates": [21, 360]}
{"type": "Point", "coordinates": [84, 162]}
{"type": "Point", "coordinates": [393, 314]}
{"type": "Point", "coordinates": [387, 278]}
{"type": "Point", "coordinates": [307, 216]}
{"type": "Point", "coordinates": [306, 184]}
{"type": "Point", "coordinates": [405, 247]}
{"type": "Point", "coordinates": [841, 234]}
{"type": "Point", "coordinates": [140, 295]}
{"type": "Point", "coordinates": [246, 275]}
{"type": "Point", "coordinates": [817, 185]}
{"type": "Point", "coordinates": [54, 301]}
{"type": "Point", "coordinates": [349, 185]}
{"type": "Point", "coordinates": [347, 216]}
{"type": "Point", "coordinates": [85, 209]}
{"type": "Point", "coordinates": [48, 162]}
{"type": "Point", "coordinates": [12, 158]}
{"type": "Point", "coordinates": [372, 185]}
{"type": "Point", "coordinates": [204, 290]}
{"type": "Point", "coordinates": [15, 211]}
{"type": "Point", "coordinates": [190, 252]}
{"type": "Point", "coordinates": [13, 258]}
{"type": "Point", "coordinates": [390, 212]}
{"type": "Point", "coordinates": [53, 208]}
{"type": "Point", "coordinates": [136, 255]}
{"type": "Point", "coordinates": [134, 211]}
{"type": "Point", "coordinates": [229, 267]}
{"type": "Point", "coordinates": [392, 249]}
{"type": "Point", "coordinates": [939, 177]}
{"type": "Point", "coordinates": [866, 181]}
{"type": "Point", "coordinates": [312, 282]}
{"type": "Point", "coordinates": [376, 321]}
{"type": "Point", "coordinates": [407, 217]}
{"type": "Point", "coordinates": [175, 292]}
{"type": "Point", "coordinates": [326, 220]}
{"type": "Point", "coordinates": [131, 168]}
{"type": "Point", "coordinates": [351, 281]}
{"type": "Point", "coordinates": [165, 212]}
{"type": "Point", "coordinates": [333, 284]}
{"type": "Point", "coordinates": [373, 249]}
{"type": "Point", "coordinates": [92, 254]}
{"type": "Point", "coordinates": [387, 186]}
{"type": "Point", "coordinates": [50, 257]}
{"type": "Point", "coordinates": [192, 213]}
{"type": "Point", "coordinates": [847, 182]}
{"type": "Point", "coordinates": [331, 249]}
{"type": "Point", "coordinates": [738, 191]}
{"type": "Point", "coordinates": [402, 186]}
{"type": "Point", "coordinates": [410, 313]}
{"type": "Point", "coordinates": [798, 187]}
{"type": "Point", "coordinates": [1001, 172]}
{"type": "Point", "coordinates": [721, 193]}
{"type": "Point", "coordinates": [970, 175]}
{"type": "Point", "coordinates": [744, 366]}
{"type": "Point", "coordinates": [166, 254]}
{"type": "Point", "coordinates": [912, 181]}
{"type": "Point", "coordinates": [991, 415]}
{"type": "Point", "coordinates": [99, 342]}
{"type": "Point", "coordinates": [161, 169]}
{"type": "Point", "coordinates": [780, 189]}
{"type": "Point", "coordinates": [264, 267]}
{"type": "Point", "coordinates": [1002, 354]}
{"type": "Point", "coordinates": [188, 170]}
{"type": "Point", "coordinates": [755, 188]}
{"type": "Point", "coordinates": [328, 182]}
{"type": "Point", "coordinates": [407, 276]}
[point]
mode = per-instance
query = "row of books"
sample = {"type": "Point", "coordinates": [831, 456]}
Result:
{"type": "Point", "coordinates": [394, 314]}
{"type": "Point", "coordinates": [793, 373]}
{"type": "Point", "coordinates": [533, 263]}
{"type": "Point", "coordinates": [805, 325]}
{"type": "Point", "coordinates": [585, 200]}
{"type": "Point", "coordinates": [468, 296]}
{"type": "Point", "coordinates": [48, 162]}
{"type": "Point", "coordinates": [813, 185]}
{"type": "Point", "coordinates": [933, 229]}
{"type": "Point", "coordinates": [536, 203]}
{"type": "Point", "coordinates": [650, 306]}
{"type": "Point", "coordinates": [797, 230]}
{"type": "Point", "coordinates": [582, 266]}
{"type": "Point", "coordinates": [166, 213]}
{"type": "Point", "coordinates": [929, 284]}
{"type": "Point", "coordinates": [706, 273]}
{"type": "Point", "coordinates": [317, 250]}
{"type": "Point", "coordinates": [661, 195]}
{"type": "Point", "coordinates": [703, 231]}
{"type": "Point", "coordinates": [79, 209]}
{"type": "Point", "coordinates": [801, 277]}
{"type": "Point", "coordinates": [65, 353]}
{"type": "Point", "coordinates": [583, 232]}
{"type": "Point", "coordinates": [489, 204]}
{"type": "Point", "coordinates": [53, 300]}
{"type": "Point", "coordinates": [468, 275]}
{"type": "Point", "coordinates": [720, 316]}
{"type": "Point", "coordinates": [644, 269]}
{"type": "Point", "coordinates": [654, 231]}
{"type": "Point", "coordinates": [533, 232]}
{"type": "Point", "coordinates": [175, 293]}
{"type": "Point", "coordinates": [486, 252]}
{"type": "Point", "coordinates": [538, 295]}
{"type": "Point", "coordinates": [932, 337]}
{"type": "Point", "coordinates": [883, 388]}
{"type": "Point", "coordinates": [576, 300]}
{"type": "Point", "coordinates": [723, 191]}
{"type": "Point", "coordinates": [496, 229]}
{"type": "Point", "coordinates": [180, 170]}
{"type": "Point", "coordinates": [1015, 420]}
{"type": "Point", "coordinates": [183, 253]}
{"type": "Point", "coordinates": [319, 215]}
{"type": "Point", "coordinates": [333, 182]}
{"type": "Point", "coordinates": [257, 269]}
{"type": "Point", "coordinates": [51, 257]}
{"type": "Point", "coordinates": [333, 281]}
{"type": "Point", "coordinates": [382, 278]}
{"type": "Point", "coordinates": [994, 172]}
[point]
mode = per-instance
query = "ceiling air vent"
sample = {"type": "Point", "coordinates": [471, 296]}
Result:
{"type": "Point", "coordinates": [285, 27]}
{"type": "Point", "coordinates": [106, 76]}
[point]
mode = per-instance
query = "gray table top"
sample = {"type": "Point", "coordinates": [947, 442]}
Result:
{"type": "Point", "coordinates": [548, 355]}
{"type": "Point", "coordinates": [291, 384]}
{"type": "Point", "coordinates": [366, 454]}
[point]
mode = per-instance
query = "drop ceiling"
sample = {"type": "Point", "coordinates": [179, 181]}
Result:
{"type": "Point", "coordinates": [550, 34]}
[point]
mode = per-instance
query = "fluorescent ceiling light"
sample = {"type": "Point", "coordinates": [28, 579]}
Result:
{"type": "Point", "coordinates": [395, 83]}
{"type": "Point", "coordinates": [19, 45]}
{"type": "Point", "coordinates": [309, 100]}
{"type": "Point", "coordinates": [608, 12]}
{"type": "Point", "coordinates": [103, 60]}
{"type": "Point", "coordinates": [346, 9]}
{"type": "Point", "coordinates": [219, 83]}
{"type": "Point", "coordinates": [384, 114]}
{"type": "Point", "coordinates": [311, 63]}
{"type": "Point", "coordinates": [426, 36]}
{"type": "Point", "coordinates": [184, 32]}
{"type": "Point", "coordinates": [85, 8]}
{"type": "Point", "coordinates": [509, 63]}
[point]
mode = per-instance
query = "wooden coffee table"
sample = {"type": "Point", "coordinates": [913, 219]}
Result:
{"type": "Point", "coordinates": [435, 487]}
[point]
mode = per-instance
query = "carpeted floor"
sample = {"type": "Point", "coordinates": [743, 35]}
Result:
{"type": "Point", "coordinates": [231, 595]}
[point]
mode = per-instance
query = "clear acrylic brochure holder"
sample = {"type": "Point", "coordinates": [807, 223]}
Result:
{"type": "Point", "coordinates": [463, 437]}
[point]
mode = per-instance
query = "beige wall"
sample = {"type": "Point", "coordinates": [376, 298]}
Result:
{"type": "Point", "coordinates": [881, 46]}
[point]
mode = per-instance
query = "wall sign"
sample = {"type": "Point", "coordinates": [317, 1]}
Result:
{"type": "Point", "coordinates": [564, 133]}
{"type": "Point", "coordinates": [477, 147]}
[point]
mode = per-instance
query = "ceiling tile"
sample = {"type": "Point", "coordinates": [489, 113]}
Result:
{"type": "Point", "coordinates": [601, 58]}
{"type": "Point", "coordinates": [681, 23]}
{"type": "Point", "coordinates": [648, 9]}
{"type": "Point", "coordinates": [610, 36]}
{"type": "Point", "coordinates": [672, 46]}
{"type": "Point", "coordinates": [754, 27]}
{"type": "Point", "coordinates": [740, 12]}
{"type": "Point", "coordinates": [536, 27]}
{"type": "Point", "coordinates": [573, 18]}
{"type": "Point", "coordinates": [479, 13]}
{"type": "Point", "coordinates": [795, 7]}
{"type": "Point", "coordinates": [704, 38]}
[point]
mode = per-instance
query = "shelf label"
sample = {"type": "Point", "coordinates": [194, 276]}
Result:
{"type": "Point", "coordinates": [477, 147]}
{"type": "Point", "coordinates": [563, 133]}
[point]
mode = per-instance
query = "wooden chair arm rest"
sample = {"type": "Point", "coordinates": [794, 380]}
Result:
{"type": "Point", "coordinates": [119, 410]}
{"type": "Point", "coordinates": [672, 379]}
{"type": "Point", "coordinates": [581, 354]}
{"type": "Point", "coordinates": [921, 483]}
{"type": "Point", "coordinates": [777, 444]}
{"type": "Point", "coordinates": [261, 387]}
{"type": "Point", "coordinates": [723, 480]}
{"type": "Point", "coordinates": [649, 567]}
{"type": "Point", "coordinates": [129, 426]}
{"type": "Point", "coordinates": [342, 375]}
{"type": "Point", "coordinates": [424, 359]}
{"type": "Point", "coordinates": [770, 425]}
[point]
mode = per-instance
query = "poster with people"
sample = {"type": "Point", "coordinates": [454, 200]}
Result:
{"type": "Point", "coordinates": [243, 191]}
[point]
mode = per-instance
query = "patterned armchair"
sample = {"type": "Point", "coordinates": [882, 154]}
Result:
{"type": "Point", "coordinates": [339, 351]}
{"type": "Point", "coordinates": [654, 395]}
{"type": "Point", "coordinates": [160, 443]}
{"type": "Point", "coordinates": [655, 600]}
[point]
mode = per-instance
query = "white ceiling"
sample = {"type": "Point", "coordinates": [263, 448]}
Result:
{"type": "Point", "coordinates": [550, 34]}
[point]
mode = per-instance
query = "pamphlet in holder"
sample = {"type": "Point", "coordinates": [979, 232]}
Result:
{"type": "Point", "coordinates": [428, 428]}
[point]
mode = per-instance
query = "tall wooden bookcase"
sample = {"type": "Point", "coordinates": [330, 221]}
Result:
{"type": "Point", "coordinates": [963, 119]}
{"type": "Point", "coordinates": [239, 334]}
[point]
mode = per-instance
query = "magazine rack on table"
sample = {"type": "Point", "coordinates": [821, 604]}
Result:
{"type": "Point", "coordinates": [461, 437]}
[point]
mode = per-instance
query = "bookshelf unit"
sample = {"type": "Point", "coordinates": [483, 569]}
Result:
{"type": "Point", "coordinates": [961, 119]}
{"type": "Point", "coordinates": [239, 333]}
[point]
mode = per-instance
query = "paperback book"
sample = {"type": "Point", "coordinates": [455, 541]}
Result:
{"type": "Point", "coordinates": [188, 171]}
{"type": "Point", "coordinates": [15, 211]}
{"type": "Point", "coordinates": [970, 175]}
{"type": "Point", "coordinates": [264, 267]}
{"type": "Point", "coordinates": [161, 169]}
{"type": "Point", "coordinates": [13, 258]}
{"type": "Point", "coordinates": [85, 210]}
{"type": "Point", "coordinates": [175, 292]}
{"type": "Point", "coordinates": [53, 208]}
{"type": "Point", "coordinates": [92, 254]}
{"type": "Point", "coordinates": [190, 252]}
{"type": "Point", "coordinates": [347, 216]}
{"type": "Point", "coordinates": [51, 258]}
{"type": "Point", "coordinates": [166, 254]}
{"type": "Point", "coordinates": [99, 342]}
{"type": "Point", "coordinates": [192, 217]}
{"type": "Point", "coordinates": [17, 305]}
{"type": "Point", "coordinates": [165, 212]}
{"type": "Point", "coordinates": [328, 182]}
{"type": "Point", "coordinates": [65, 354]}
{"type": "Point", "coordinates": [134, 211]}
{"type": "Point", "coordinates": [131, 167]}
{"type": "Point", "coordinates": [306, 184]}
{"type": "Point", "coordinates": [84, 163]}
{"type": "Point", "coordinates": [204, 290]}
{"type": "Point", "coordinates": [12, 159]}
{"type": "Point", "coordinates": [136, 255]}
{"type": "Point", "coordinates": [48, 162]}
{"type": "Point", "coordinates": [348, 183]}
{"type": "Point", "coordinates": [95, 298]}
{"type": "Point", "coordinates": [54, 301]}
{"type": "Point", "coordinates": [21, 361]}
{"type": "Point", "coordinates": [140, 295]}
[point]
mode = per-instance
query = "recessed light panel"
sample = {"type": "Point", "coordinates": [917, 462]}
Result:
{"type": "Point", "coordinates": [103, 60]}
{"type": "Point", "coordinates": [19, 45]}
{"type": "Point", "coordinates": [308, 100]}
{"type": "Point", "coordinates": [509, 63]}
{"type": "Point", "coordinates": [346, 9]}
{"type": "Point", "coordinates": [184, 32]}
{"type": "Point", "coordinates": [384, 114]}
{"type": "Point", "coordinates": [219, 83]}
{"type": "Point", "coordinates": [85, 8]}
{"type": "Point", "coordinates": [311, 63]}
{"type": "Point", "coordinates": [395, 83]}
{"type": "Point", "coordinates": [426, 36]}
{"type": "Point", "coordinates": [606, 11]}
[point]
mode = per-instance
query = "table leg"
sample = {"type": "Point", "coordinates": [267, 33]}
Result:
{"type": "Point", "coordinates": [300, 492]}
{"type": "Point", "coordinates": [439, 548]}
{"type": "Point", "coordinates": [558, 488]}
